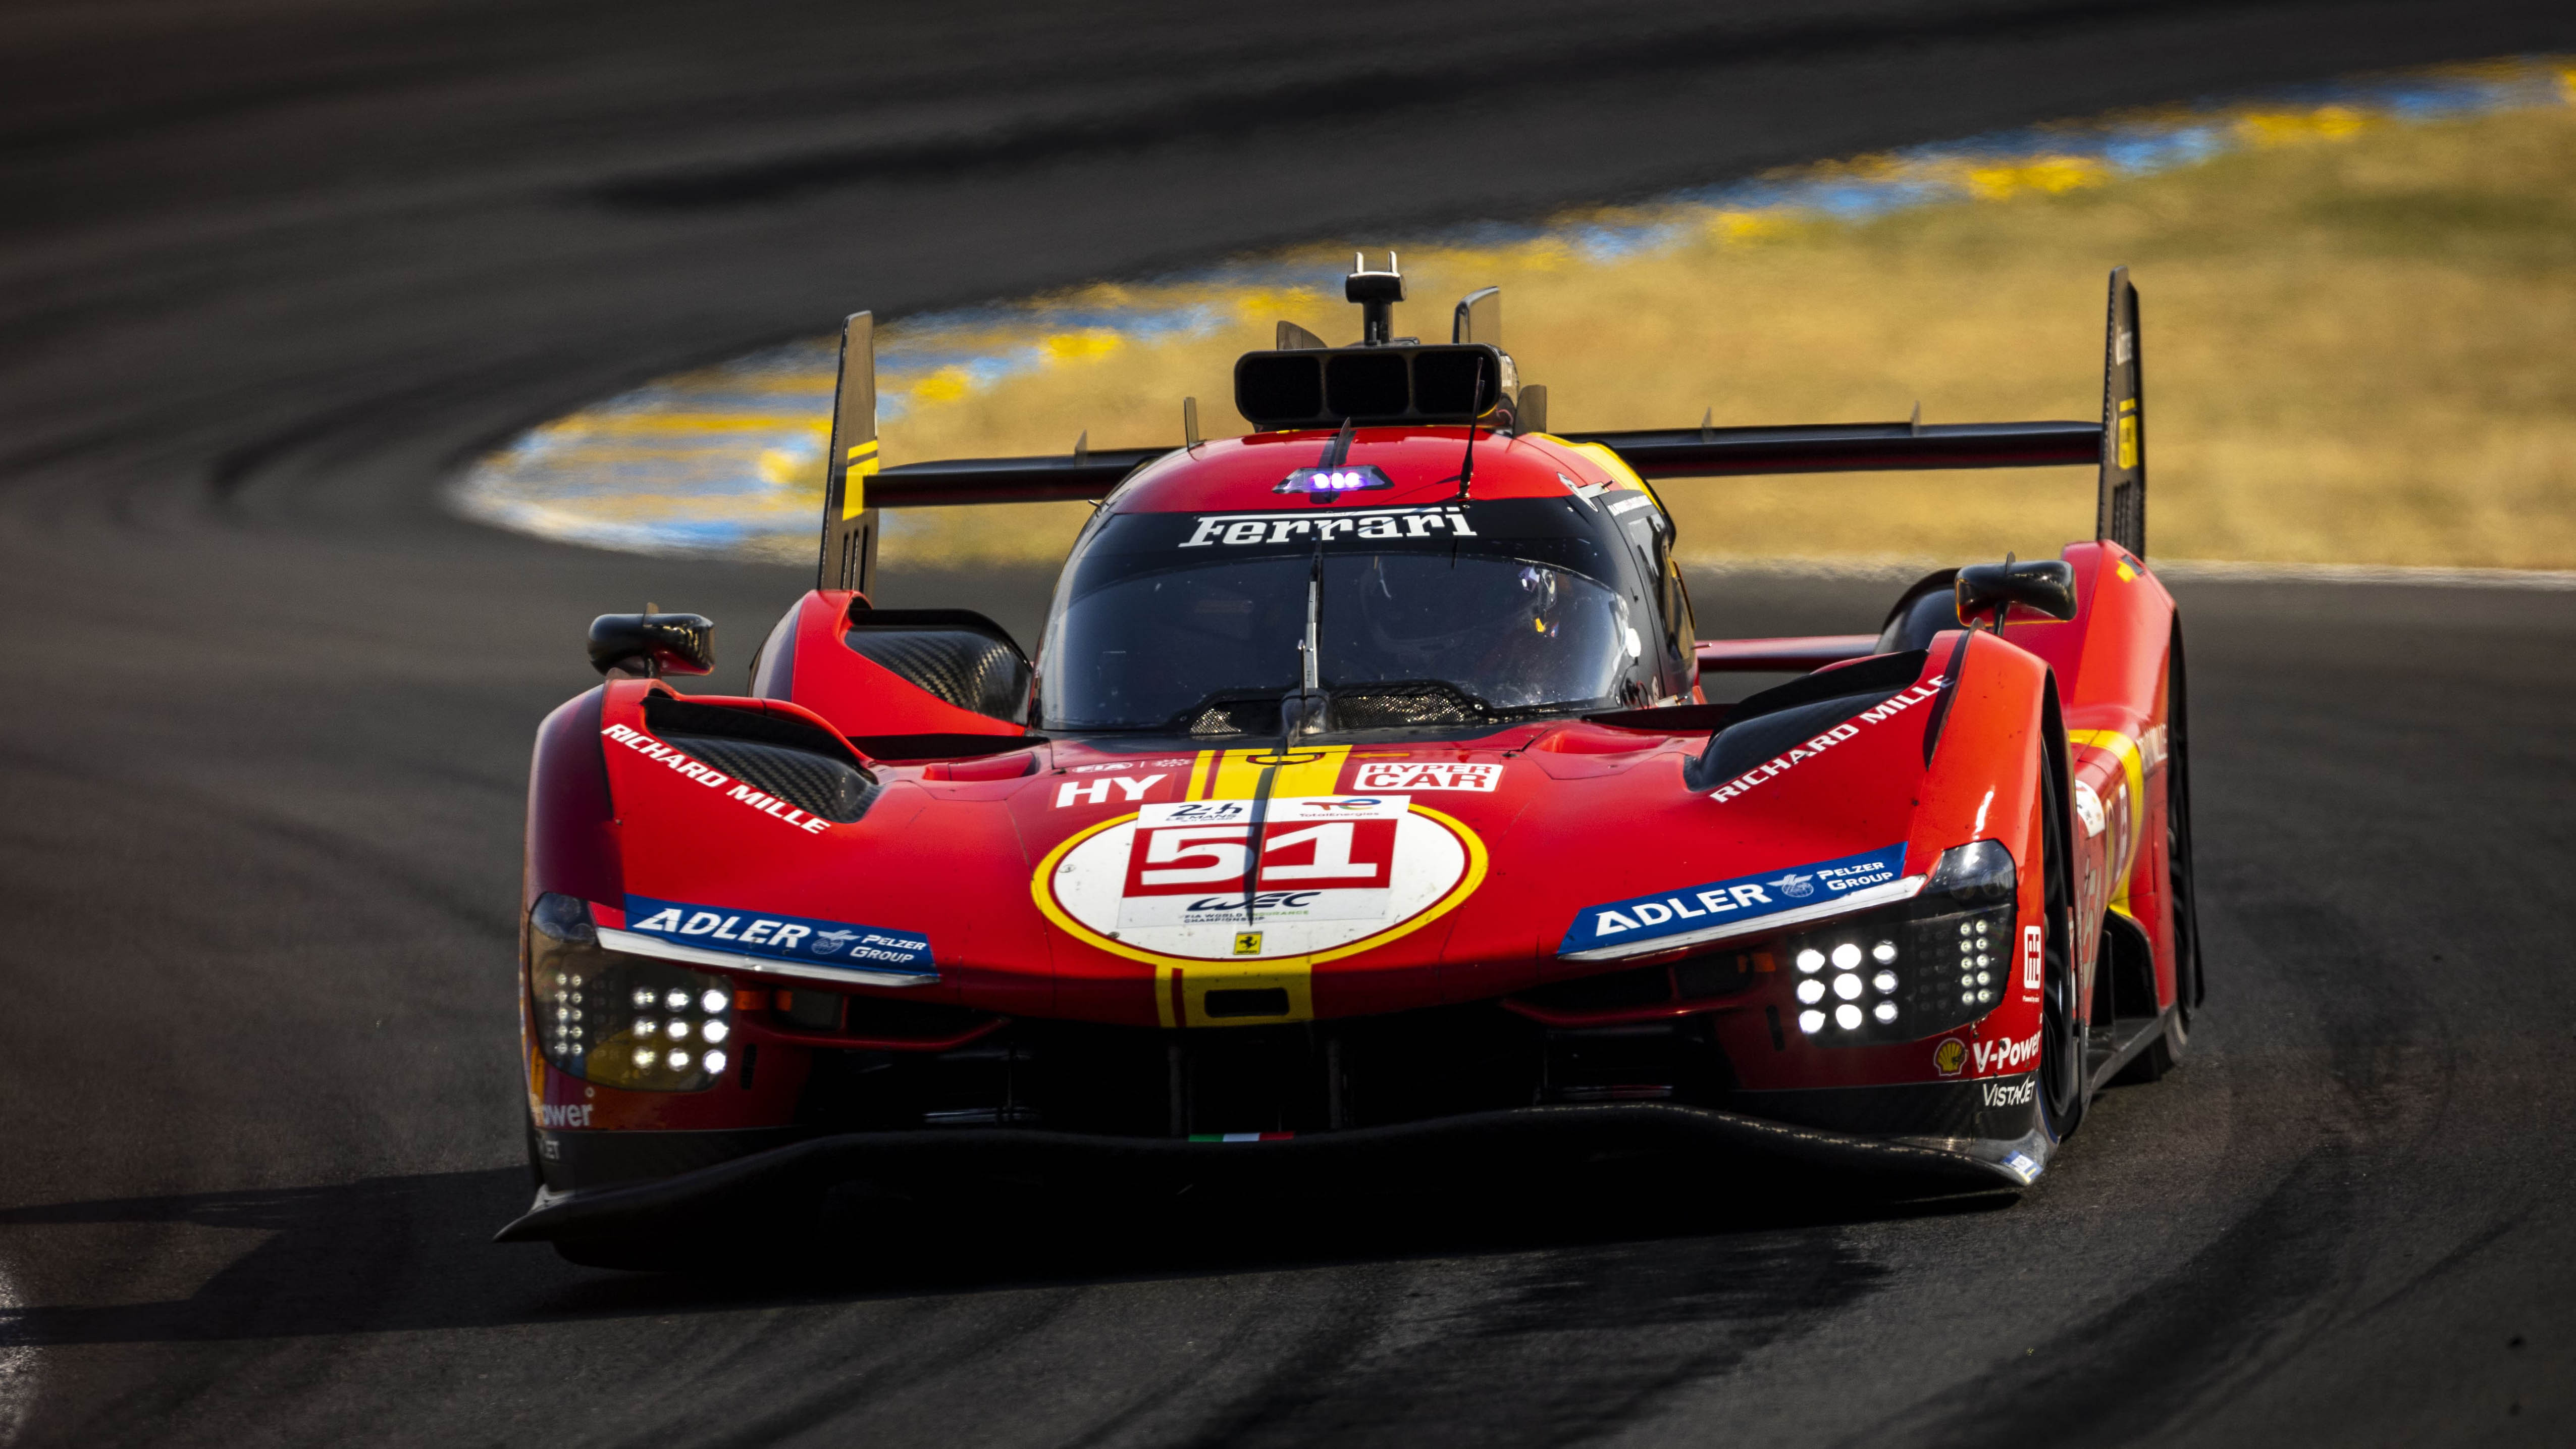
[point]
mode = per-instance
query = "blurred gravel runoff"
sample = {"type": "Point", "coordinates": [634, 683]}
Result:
{"type": "Point", "coordinates": [270, 273]}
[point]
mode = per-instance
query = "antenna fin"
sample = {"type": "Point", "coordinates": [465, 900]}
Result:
{"type": "Point", "coordinates": [1082, 446]}
{"type": "Point", "coordinates": [1707, 434]}
{"type": "Point", "coordinates": [1189, 422]}
{"type": "Point", "coordinates": [1914, 425]}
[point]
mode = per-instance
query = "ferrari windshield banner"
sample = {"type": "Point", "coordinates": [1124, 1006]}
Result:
{"type": "Point", "coordinates": [1726, 902]}
{"type": "Point", "coordinates": [786, 938]}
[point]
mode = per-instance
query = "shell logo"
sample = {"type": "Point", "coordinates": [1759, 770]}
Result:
{"type": "Point", "coordinates": [1950, 1056]}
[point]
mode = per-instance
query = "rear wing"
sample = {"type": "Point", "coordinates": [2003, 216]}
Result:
{"type": "Point", "coordinates": [856, 487]}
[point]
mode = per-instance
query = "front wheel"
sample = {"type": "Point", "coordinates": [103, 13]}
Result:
{"type": "Point", "coordinates": [2061, 1024]}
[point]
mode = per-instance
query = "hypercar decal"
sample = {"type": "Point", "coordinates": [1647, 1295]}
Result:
{"type": "Point", "coordinates": [1335, 876]}
{"type": "Point", "coordinates": [804, 940]}
{"type": "Point", "coordinates": [1368, 775]}
{"type": "Point", "coordinates": [1726, 907]}
{"type": "Point", "coordinates": [1782, 764]}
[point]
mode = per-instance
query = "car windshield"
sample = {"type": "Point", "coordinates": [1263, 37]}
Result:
{"type": "Point", "coordinates": [1141, 639]}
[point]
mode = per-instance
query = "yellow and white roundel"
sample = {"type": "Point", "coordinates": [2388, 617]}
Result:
{"type": "Point", "coordinates": [1178, 885]}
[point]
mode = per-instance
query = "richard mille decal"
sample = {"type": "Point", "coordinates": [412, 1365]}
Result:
{"type": "Point", "coordinates": [1241, 530]}
{"type": "Point", "coordinates": [1848, 729]}
{"type": "Point", "coordinates": [786, 938]}
{"type": "Point", "coordinates": [1743, 898]}
{"type": "Point", "coordinates": [689, 769]}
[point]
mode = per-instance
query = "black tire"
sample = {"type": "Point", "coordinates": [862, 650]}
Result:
{"type": "Point", "coordinates": [2062, 1084]}
{"type": "Point", "coordinates": [2189, 983]}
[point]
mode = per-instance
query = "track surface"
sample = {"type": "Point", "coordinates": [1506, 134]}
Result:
{"type": "Point", "coordinates": [269, 270]}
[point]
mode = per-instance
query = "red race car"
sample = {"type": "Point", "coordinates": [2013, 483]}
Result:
{"type": "Point", "coordinates": [1362, 799]}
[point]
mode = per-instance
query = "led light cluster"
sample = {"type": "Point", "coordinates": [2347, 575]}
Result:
{"type": "Point", "coordinates": [1849, 984]}
{"type": "Point", "coordinates": [568, 1034]}
{"type": "Point", "coordinates": [1981, 958]}
{"type": "Point", "coordinates": [664, 1041]}
{"type": "Point", "coordinates": [1901, 974]}
{"type": "Point", "coordinates": [620, 1020]}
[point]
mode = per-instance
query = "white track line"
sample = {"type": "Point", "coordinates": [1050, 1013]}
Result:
{"type": "Point", "coordinates": [17, 1371]}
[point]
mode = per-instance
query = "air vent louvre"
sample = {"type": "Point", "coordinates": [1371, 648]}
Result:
{"type": "Point", "coordinates": [816, 784]}
{"type": "Point", "coordinates": [962, 665]}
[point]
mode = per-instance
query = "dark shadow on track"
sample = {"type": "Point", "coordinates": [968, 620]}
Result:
{"type": "Point", "coordinates": [333, 1252]}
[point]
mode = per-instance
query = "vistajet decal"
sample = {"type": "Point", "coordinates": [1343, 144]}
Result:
{"type": "Point", "coordinates": [1782, 764]}
{"type": "Point", "coordinates": [1722, 902]}
{"type": "Point", "coordinates": [785, 938]}
{"type": "Point", "coordinates": [1242, 530]}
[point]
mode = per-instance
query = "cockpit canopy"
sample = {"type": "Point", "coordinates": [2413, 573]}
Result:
{"type": "Point", "coordinates": [1453, 613]}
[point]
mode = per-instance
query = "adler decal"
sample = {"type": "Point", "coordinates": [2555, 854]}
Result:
{"type": "Point", "coordinates": [1724, 902]}
{"type": "Point", "coordinates": [783, 937]}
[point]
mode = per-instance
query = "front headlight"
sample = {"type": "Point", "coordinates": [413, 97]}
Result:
{"type": "Point", "coordinates": [1939, 961]}
{"type": "Point", "coordinates": [621, 1021]}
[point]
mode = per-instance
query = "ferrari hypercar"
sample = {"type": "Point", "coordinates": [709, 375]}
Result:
{"type": "Point", "coordinates": [1363, 797]}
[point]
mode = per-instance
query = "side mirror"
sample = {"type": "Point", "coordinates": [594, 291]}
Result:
{"type": "Point", "coordinates": [653, 644]}
{"type": "Point", "coordinates": [1990, 589]}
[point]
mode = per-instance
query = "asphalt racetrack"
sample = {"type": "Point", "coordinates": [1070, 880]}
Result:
{"type": "Point", "coordinates": [270, 271]}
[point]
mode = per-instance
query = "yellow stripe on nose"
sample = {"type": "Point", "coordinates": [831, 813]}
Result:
{"type": "Point", "coordinates": [1300, 771]}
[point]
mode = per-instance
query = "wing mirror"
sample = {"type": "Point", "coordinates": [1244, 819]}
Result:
{"type": "Point", "coordinates": [651, 644]}
{"type": "Point", "coordinates": [1992, 589]}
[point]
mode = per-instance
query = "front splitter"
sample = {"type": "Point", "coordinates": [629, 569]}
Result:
{"type": "Point", "coordinates": [641, 1210]}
